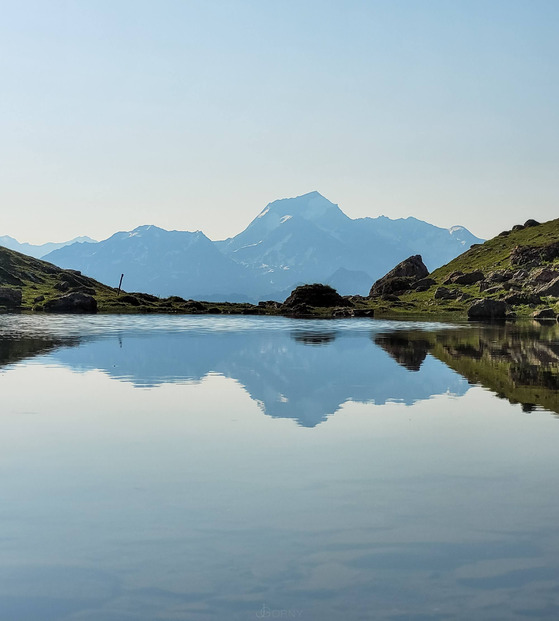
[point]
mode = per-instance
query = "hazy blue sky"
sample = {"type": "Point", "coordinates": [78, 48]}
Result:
{"type": "Point", "coordinates": [195, 114]}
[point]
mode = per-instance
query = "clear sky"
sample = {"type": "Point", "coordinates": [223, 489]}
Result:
{"type": "Point", "coordinates": [195, 114]}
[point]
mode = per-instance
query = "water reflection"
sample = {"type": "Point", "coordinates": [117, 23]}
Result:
{"type": "Point", "coordinates": [304, 376]}
{"type": "Point", "coordinates": [308, 371]}
{"type": "Point", "coordinates": [517, 361]}
{"type": "Point", "coordinates": [180, 500]}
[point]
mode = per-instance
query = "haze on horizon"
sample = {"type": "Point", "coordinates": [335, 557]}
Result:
{"type": "Point", "coordinates": [195, 115]}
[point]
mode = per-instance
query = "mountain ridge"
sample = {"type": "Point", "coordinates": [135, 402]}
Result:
{"type": "Point", "coordinates": [291, 241]}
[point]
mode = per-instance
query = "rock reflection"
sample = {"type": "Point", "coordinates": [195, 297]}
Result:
{"type": "Point", "coordinates": [407, 352]}
{"type": "Point", "coordinates": [314, 337]}
{"type": "Point", "coordinates": [517, 361]}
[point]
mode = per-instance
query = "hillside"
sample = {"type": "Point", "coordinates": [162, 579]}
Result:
{"type": "Point", "coordinates": [519, 268]}
{"type": "Point", "coordinates": [29, 284]}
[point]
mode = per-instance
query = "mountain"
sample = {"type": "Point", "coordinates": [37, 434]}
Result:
{"type": "Point", "coordinates": [39, 251]}
{"type": "Point", "coordinates": [292, 241]}
{"type": "Point", "coordinates": [308, 239]}
{"type": "Point", "coordinates": [162, 263]}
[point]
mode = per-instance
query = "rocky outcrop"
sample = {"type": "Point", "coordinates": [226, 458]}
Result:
{"type": "Point", "coordinates": [461, 278]}
{"type": "Point", "coordinates": [315, 295]}
{"type": "Point", "coordinates": [517, 299]}
{"type": "Point", "coordinates": [533, 256]}
{"type": "Point", "coordinates": [550, 289]}
{"type": "Point", "coordinates": [72, 303]}
{"type": "Point", "coordinates": [442, 293]}
{"type": "Point", "coordinates": [10, 298]}
{"type": "Point", "coordinates": [393, 286]}
{"type": "Point", "coordinates": [424, 284]}
{"type": "Point", "coordinates": [488, 309]}
{"type": "Point", "coordinates": [402, 277]}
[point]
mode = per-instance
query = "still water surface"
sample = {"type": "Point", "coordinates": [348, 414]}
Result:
{"type": "Point", "coordinates": [208, 468]}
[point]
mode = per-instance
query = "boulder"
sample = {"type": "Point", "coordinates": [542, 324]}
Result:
{"type": "Point", "coordinates": [530, 223]}
{"type": "Point", "coordinates": [488, 309]}
{"type": "Point", "coordinates": [517, 299]}
{"type": "Point", "coordinates": [129, 299]}
{"type": "Point", "coordinates": [442, 293]}
{"type": "Point", "coordinates": [534, 255]}
{"type": "Point", "coordinates": [469, 278]}
{"type": "Point", "coordinates": [499, 276]}
{"type": "Point", "coordinates": [546, 313]}
{"type": "Point", "coordinates": [298, 310]}
{"type": "Point", "coordinates": [450, 278]}
{"type": "Point", "coordinates": [412, 268]}
{"type": "Point", "coordinates": [364, 312]}
{"type": "Point", "coordinates": [342, 312]}
{"type": "Point", "coordinates": [520, 275]}
{"type": "Point", "coordinates": [424, 284]}
{"type": "Point", "coordinates": [63, 285]}
{"type": "Point", "coordinates": [10, 298]}
{"type": "Point", "coordinates": [543, 275]}
{"type": "Point", "coordinates": [492, 290]}
{"type": "Point", "coordinates": [551, 288]}
{"type": "Point", "coordinates": [396, 285]}
{"type": "Point", "coordinates": [315, 295]}
{"type": "Point", "coordinates": [72, 303]}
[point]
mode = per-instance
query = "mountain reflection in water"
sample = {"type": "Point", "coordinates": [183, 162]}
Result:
{"type": "Point", "coordinates": [309, 370]}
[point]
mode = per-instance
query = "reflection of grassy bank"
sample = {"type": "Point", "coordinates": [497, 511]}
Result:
{"type": "Point", "coordinates": [15, 348]}
{"type": "Point", "coordinates": [517, 361]}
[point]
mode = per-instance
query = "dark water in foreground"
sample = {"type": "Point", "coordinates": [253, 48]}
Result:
{"type": "Point", "coordinates": [177, 468]}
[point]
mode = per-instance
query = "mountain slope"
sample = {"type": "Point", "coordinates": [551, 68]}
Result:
{"type": "Point", "coordinates": [308, 238]}
{"type": "Point", "coordinates": [160, 262]}
{"type": "Point", "coordinates": [292, 241]}
{"type": "Point", "coordinates": [518, 267]}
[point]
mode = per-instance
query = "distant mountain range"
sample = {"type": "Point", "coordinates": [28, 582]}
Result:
{"type": "Point", "coordinates": [40, 250]}
{"type": "Point", "coordinates": [292, 241]}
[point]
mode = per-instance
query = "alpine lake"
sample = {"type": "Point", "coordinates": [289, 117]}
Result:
{"type": "Point", "coordinates": [233, 468]}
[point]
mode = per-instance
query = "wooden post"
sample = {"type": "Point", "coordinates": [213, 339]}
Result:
{"type": "Point", "coordinates": [119, 285]}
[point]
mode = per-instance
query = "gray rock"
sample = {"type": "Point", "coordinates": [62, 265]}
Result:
{"type": "Point", "coordinates": [363, 312]}
{"type": "Point", "coordinates": [10, 298]}
{"type": "Point", "coordinates": [396, 285]}
{"type": "Point", "coordinates": [516, 299]}
{"type": "Point", "coordinates": [544, 275]}
{"type": "Point", "coordinates": [442, 293]}
{"type": "Point", "coordinates": [412, 268]}
{"type": "Point", "coordinates": [342, 312]}
{"type": "Point", "coordinates": [551, 289]}
{"type": "Point", "coordinates": [469, 278]}
{"type": "Point", "coordinates": [315, 295]}
{"type": "Point", "coordinates": [493, 290]}
{"type": "Point", "coordinates": [499, 276]}
{"type": "Point", "coordinates": [546, 313]}
{"type": "Point", "coordinates": [488, 309]}
{"type": "Point", "coordinates": [424, 284]}
{"type": "Point", "coordinates": [72, 303]}
{"type": "Point", "coordinates": [520, 275]}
